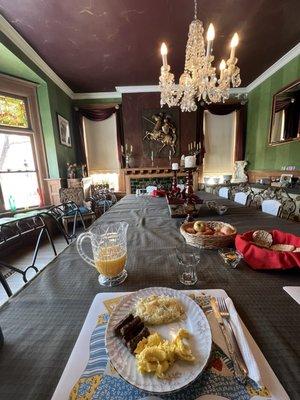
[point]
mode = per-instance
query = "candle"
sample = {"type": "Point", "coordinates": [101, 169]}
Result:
{"type": "Point", "coordinates": [194, 145]}
{"type": "Point", "coordinates": [152, 155]}
{"type": "Point", "coordinates": [164, 52]}
{"type": "Point", "coordinates": [234, 42]}
{"type": "Point", "coordinates": [210, 37]}
{"type": "Point", "coordinates": [122, 149]}
{"type": "Point", "coordinates": [170, 153]}
{"type": "Point", "coordinates": [189, 161]}
{"type": "Point", "coordinates": [131, 148]}
{"type": "Point", "coordinates": [175, 166]}
{"type": "Point", "coordinates": [126, 147]}
{"type": "Point", "coordinates": [222, 68]}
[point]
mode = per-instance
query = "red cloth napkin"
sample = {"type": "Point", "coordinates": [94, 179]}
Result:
{"type": "Point", "coordinates": [158, 193]}
{"type": "Point", "coordinates": [261, 258]}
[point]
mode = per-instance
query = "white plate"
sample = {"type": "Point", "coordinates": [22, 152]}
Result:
{"type": "Point", "coordinates": [181, 373]}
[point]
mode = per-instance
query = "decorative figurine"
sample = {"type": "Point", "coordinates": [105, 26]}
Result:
{"type": "Point", "coordinates": [239, 172]}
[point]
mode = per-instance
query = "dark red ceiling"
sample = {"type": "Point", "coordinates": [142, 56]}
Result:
{"type": "Point", "coordinates": [95, 45]}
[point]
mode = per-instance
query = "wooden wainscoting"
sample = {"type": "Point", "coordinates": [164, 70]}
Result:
{"type": "Point", "coordinates": [255, 175]}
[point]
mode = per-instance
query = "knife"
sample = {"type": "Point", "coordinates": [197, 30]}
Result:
{"type": "Point", "coordinates": [240, 370]}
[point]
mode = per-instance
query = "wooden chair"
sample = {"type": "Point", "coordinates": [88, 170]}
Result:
{"type": "Point", "coordinates": [72, 209]}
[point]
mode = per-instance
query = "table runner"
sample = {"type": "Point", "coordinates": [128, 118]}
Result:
{"type": "Point", "coordinates": [42, 322]}
{"type": "Point", "coordinates": [91, 377]}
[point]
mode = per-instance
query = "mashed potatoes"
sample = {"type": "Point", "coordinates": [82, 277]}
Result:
{"type": "Point", "coordinates": [156, 310]}
{"type": "Point", "coordinates": [154, 354]}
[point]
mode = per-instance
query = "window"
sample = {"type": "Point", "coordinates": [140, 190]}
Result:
{"type": "Point", "coordinates": [23, 165]}
{"type": "Point", "coordinates": [18, 175]}
{"type": "Point", "coordinates": [13, 112]}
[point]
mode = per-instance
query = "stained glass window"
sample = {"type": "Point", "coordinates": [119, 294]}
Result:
{"type": "Point", "coordinates": [13, 112]}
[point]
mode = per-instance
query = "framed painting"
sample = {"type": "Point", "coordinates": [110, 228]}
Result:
{"type": "Point", "coordinates": [64, 131]}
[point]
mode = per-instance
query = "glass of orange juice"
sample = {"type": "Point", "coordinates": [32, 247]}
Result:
{"type": "Point", "coordinates": [109, 246]}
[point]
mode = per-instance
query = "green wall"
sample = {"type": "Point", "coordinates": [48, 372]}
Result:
{"type": "Point", "coordinates": [259, 154]}
{"type": "Point", "coordinates": [51, 99]}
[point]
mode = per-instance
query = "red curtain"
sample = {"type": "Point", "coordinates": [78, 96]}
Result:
{"type": "Point", "coordinates": [97, 112]}
{"type": "Point", "coordinates": [223, 109]}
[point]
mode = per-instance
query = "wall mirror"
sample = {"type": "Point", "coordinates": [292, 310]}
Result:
{"type": "Point", "coordinates": [285, 121]}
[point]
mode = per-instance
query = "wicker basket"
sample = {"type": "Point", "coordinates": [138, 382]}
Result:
{"type": "Point", "coordinates": [208, 241]}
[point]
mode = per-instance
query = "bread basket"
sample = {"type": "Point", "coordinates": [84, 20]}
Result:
{"type": "Point", "coordinates": [208, 241]}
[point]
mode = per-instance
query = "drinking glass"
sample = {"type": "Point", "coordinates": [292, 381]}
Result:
{"type": "Point", "coordinates": [231, 257]}
{"type": "Point", "coordinates": [188, 258]}
{"type": "Point", "coordinates": [109, 245]}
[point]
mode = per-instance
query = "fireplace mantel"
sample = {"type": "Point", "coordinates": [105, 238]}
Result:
{"type": "Point", "coordinates": [155, 172]}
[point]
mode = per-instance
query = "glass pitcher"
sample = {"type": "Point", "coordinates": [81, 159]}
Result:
{"type": "Point", "coordinates": [109, 245]}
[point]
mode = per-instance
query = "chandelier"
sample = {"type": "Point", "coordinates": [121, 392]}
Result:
{"type": "Point", "coordinates": [199, 80]}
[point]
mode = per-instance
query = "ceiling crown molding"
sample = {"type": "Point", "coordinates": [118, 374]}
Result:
{"type": "Point", "coordinates": [290, 55]}
{"type": "Point", "coordinates": [97, 95]}
{"type": "Point", "coordinates": [17, 39]}
{"type": "Point", "coordinates": [138, 89]}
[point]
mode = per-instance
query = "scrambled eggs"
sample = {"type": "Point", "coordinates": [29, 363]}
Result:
{"type": "Point", "coordinates": [156, 310]}
{"type": "Point", "coordinates": [154, 354]}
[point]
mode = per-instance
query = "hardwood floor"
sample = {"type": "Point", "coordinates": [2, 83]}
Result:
{"type": "Point", "coordinates": [22, 257]}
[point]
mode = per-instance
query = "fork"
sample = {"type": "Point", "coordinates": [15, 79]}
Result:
{"type": "Point", "coordinates": [238, 358]}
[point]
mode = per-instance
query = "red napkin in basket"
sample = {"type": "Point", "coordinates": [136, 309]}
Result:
{"type": "Point", "coordinates": [261, 258]}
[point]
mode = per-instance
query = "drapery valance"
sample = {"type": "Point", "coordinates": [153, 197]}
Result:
{"type": "Point", "coordinates": [223, 109]}
{"type": "Point", "coordinates": [97, 112]}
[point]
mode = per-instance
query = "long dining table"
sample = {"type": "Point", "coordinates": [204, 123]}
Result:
{"type": "Point", "coordinates": [42, 321]}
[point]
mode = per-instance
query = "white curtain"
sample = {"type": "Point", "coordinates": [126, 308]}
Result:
{"type": "Point", "coordinates": [219, 137]}
{"type": "Point", "coordinates": [101, 145]}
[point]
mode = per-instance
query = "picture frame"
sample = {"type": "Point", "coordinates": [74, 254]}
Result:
{"type": "Point", "coordinates": [64, 131]}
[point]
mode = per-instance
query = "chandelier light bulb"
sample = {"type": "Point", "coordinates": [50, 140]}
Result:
{"type": "Point", "coordinates": [222, 65]}
{"type": "Point", "coordinates": [234, 42]}
{"type": "Point", "coordinates": [210, 37]}
{"type": "Point", "coordinates": [210, 33]}
{"type": "Point", "coordinates": [222, 68]}
{"type": "Point", "coordinates": [164, 52]}
{"type": "Point", "coordinates": [163, 49]}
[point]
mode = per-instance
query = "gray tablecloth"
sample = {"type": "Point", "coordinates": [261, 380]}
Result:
{"type": "Point", "coordinates": [42, 322]}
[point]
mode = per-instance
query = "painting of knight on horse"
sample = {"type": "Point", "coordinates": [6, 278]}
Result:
{"type": "Point", "coordinates": [163, 131]}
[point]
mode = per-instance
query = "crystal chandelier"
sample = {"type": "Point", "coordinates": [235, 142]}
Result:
{"type": "Point", "coordinates": [199, 80]}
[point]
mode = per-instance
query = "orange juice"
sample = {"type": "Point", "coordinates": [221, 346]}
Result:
{"type": "Point", "coordinates": [111, 260]}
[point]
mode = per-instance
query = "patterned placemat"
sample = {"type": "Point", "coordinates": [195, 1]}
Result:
{"type": "Point", "coordinates": [100, 381]}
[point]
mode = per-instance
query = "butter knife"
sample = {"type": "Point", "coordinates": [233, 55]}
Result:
{"type": "Point", "coordinates": [240, 370]}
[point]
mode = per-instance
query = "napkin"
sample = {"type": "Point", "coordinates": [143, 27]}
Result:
{"type": "Point", "coordinates": [294, 292]}
{"type": "Point", "coordinates": [253, 370]}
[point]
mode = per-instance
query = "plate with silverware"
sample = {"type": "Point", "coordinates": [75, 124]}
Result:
{"type": "Point", "coordinates": [158, 339]}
